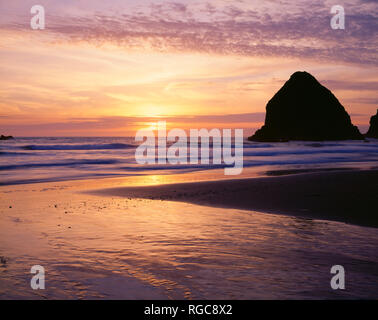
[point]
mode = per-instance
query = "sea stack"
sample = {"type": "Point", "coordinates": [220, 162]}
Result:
{"type": "Point", "coordinates": [2, 137]}
{"type": "Point", "coordinates": [303, 109]}
{"type": "Point", "coordinates": [373, 130]}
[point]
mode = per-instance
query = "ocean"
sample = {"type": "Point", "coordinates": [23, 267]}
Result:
{"type": "Point", "coordinates": [105, 247]}
{"type": "Point", "coordinates": [30, 160]}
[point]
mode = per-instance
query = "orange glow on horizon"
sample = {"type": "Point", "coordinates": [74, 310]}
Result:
{"type": "Point", "coordinates": [68, 89]}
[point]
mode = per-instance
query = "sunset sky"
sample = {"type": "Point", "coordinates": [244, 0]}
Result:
{"type": "Point", "coordinates": [108, 68]}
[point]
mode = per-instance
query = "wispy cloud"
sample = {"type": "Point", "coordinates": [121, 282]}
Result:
{"type": "Point", "coordinates": [124, 125]}
{"type": "Point", "coordinates": [352, 85]}
{"type": "Point", "coordinates": [290, 29]}
{"type": "Point", "coordinates": [100, 63]}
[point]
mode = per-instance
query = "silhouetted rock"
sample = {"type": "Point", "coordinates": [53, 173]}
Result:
{"type": "Point", "coordinates": [373, 130]}
{"type": "Point", "coordinates": [303, 109]}
{"type": "Point", "coordinates": [2, 137]}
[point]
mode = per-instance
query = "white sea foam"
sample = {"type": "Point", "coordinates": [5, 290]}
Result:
{"type": "Point", "coordinates": [51, 159]}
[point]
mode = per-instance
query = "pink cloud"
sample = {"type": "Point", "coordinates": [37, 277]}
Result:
{"type": "Point", "coordinates": [290, 29]}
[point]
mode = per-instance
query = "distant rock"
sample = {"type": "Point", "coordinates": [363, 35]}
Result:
{"type": "Point", "coordinates": [303, 109]}
{"type": "Point", "coordinates": [2, 137]}
{"type": "Point", "coordinates": [373, 130]}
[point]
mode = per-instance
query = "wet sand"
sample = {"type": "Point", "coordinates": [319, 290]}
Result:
{"type": "Point", "coordinates": [96, 246]}
{"type": "Point", "coordinates": [347, 196]}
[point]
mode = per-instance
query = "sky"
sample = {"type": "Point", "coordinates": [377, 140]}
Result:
{"type": "Point", "coordinates": [109, 68]}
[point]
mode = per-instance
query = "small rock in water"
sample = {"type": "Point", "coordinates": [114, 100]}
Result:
{"type": "Point", "coordinates": [373, 129]}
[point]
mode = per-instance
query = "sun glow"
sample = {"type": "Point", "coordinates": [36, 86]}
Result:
{"type": "Point", "coordinates": [54, 84]}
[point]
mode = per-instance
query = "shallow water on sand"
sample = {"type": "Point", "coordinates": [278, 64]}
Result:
{"type": "Point", "coordinates": [99, 247]}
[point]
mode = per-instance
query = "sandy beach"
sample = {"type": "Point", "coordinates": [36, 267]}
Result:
{"type": "Point", "coordinates": [114, 239]}
{"type": "Point", "coordinates": [347, 196]}
{"type": "Point", "coordinates": [188, 150]}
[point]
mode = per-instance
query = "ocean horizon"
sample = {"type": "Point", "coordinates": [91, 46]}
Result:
{"type": "Point", "coordinates": [183, 150]}
{"type": "Point", "coordinates": [47, 159]}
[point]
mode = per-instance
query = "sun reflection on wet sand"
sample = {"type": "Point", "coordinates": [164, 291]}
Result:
{"type": "Point", "coordinates": [110, 247]}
